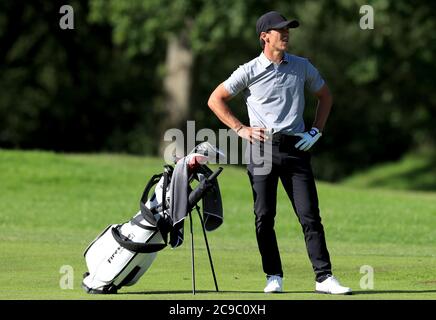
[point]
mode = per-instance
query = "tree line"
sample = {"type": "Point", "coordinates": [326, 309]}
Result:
{"type": "Point", "coordinates": [129, 70]}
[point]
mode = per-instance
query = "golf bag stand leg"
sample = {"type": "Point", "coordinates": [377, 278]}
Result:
{"type": "Point", "coordinates": [192, 253]}
{"type": "Point", "coordinates": [207, 247]}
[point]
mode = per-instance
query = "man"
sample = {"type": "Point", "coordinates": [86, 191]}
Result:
{"type": "Point", "coordinates": [273, 88]}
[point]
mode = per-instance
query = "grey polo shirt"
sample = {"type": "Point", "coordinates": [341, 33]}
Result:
{"type": "Point", "coordinates": [274, 94]}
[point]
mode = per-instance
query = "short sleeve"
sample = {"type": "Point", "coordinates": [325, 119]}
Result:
{"type": "Point", "coordinates": [237, 82]}
{"type": "Point", "coordinates": [314, 81]}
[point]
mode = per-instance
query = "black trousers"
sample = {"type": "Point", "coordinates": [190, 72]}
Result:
{"type": "Point", "coordinates": [294, 169]}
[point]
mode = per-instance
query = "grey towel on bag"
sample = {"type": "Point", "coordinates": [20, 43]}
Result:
{"type": "Point", "coordinates": [179, 203]}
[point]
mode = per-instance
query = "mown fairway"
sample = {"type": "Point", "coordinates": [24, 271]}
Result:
{"type": "Point", "coordinates": [53, 205]}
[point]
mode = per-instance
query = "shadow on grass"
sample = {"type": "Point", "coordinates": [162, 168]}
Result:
{"type": "Point", "coordinates": [167, 292]}
{"type": "Point", "coordinates": [208, 291]}
{"type": "Point", "coordinates": [392, 291]}
{"type": "Point", "coordinates": [284, 292]}
{"type": "Point", "coordinates": [187, 292]}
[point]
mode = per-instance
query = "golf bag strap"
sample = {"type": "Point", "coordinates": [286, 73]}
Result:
{"type": "Point", "coordinates": [164, 201]}
{"type": "Point", "coordinates": [145, 212]}
{"type": "Point", "coordinates": [136, 246]}
{"type": "Point", "coordinates": [164, 190]}
{"type": "Point", "coordinates": [136, 221]}
{"type": "Point", "coordinates": [155, 179]}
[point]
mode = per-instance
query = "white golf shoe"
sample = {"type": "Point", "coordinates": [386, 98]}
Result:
{"type": "Point", "coordinates": [331, 285]}
{"type": "Point", "coordinates": [274, 284]}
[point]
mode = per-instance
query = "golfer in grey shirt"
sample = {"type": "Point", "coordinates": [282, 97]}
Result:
{"type": "Point", "coordinates": [273, 87]}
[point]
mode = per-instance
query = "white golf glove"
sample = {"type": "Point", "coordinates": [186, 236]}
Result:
{"type": "Point", "coordinates": [308, 139]}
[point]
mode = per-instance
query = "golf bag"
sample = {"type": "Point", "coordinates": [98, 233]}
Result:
{"type": "Point", "coordinates": [122, 253]}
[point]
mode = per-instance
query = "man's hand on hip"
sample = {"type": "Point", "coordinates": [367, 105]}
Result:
{"type": "Point", "coordinates": [308, 139]}
{"type": "Point", "coordinates": [252, 133]}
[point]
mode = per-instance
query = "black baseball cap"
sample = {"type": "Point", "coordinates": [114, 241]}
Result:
{"type": "Point", "coordinates": [274, 20]}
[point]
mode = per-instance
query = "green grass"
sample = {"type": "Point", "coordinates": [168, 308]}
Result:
{"type": "Point", "coordinates": [52, 205]}
{"type": "Point", "coordinates": [415, 171]}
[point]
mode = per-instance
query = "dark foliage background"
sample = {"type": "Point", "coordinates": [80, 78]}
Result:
{"type": "Point", "coordinates": [100, 86]}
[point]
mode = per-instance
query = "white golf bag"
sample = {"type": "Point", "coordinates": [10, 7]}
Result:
{"type": "Point", "coordinates": [122, 253]}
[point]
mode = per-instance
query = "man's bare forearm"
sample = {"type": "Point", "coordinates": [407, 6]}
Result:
{"type": "Point", "coordinates": [217, 103]}
{"type": "Point", "coordinates": [322, 114]}
{"type": "Point", "coordinates": [325, 102]}
{"type": "Point", "coordinates": [223, 112]}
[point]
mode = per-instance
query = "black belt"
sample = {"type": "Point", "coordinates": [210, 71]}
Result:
{"type": "Point", "coordinates": [284, 138]}
{"type": "Point", "coordinates": [285, 142]}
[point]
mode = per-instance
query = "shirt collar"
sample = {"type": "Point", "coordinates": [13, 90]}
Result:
{"type": "Point", "coordinates": [286, 58]}
{"type": "Point", "coordinates": [266, 62]}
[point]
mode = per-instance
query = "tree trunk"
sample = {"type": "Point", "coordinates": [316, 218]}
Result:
{"type": "Point", "coordinates": [177, 83]}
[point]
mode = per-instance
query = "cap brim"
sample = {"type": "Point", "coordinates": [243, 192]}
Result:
{"type": "Point", "coordinates": [287, 24]}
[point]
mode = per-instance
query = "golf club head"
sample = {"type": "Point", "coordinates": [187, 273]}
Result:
{"type": "Point", "coordinates": [211, 152]}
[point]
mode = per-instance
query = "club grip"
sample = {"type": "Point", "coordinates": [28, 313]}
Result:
{"type": "Point", "coordinates": [215, 174]}
{"type": "Point", "coordinates": [202, 188]}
